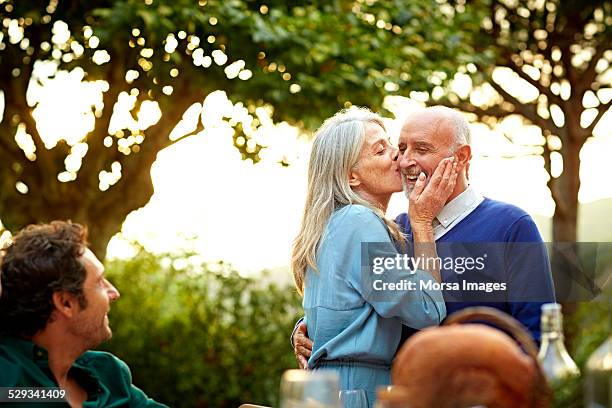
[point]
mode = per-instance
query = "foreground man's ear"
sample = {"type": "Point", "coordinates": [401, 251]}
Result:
{"type": "Point", "coordinates": [65, 303]}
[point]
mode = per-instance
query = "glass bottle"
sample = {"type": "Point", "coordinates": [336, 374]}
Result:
{"type": "Point", "coordinates": [553, 357]}
{"type": "Point", "coordinates": [598, 377]}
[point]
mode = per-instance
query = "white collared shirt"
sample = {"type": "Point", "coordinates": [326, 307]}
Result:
{"type": "Point", "coordinates": [456, 210]}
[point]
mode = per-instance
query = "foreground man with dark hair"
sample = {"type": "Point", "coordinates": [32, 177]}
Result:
{"type": "Point", "coordinates": [53, 310]}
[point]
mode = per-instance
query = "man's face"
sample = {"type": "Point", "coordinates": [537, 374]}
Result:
{"type": "Point", "coordinates": [424, 141]}
{"type": "Point", "coordinates": [91, 323]}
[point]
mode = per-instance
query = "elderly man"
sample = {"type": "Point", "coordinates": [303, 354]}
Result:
{"type": "Point", "coordinates": [471, 220]}
{"type": "Point", "coordinates": [53, 310]}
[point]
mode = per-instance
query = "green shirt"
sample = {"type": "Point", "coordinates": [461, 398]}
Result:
{"type": "Point", "coordinates": [105, 378]}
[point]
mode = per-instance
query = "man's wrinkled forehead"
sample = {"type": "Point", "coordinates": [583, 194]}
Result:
{"type": "Point", "coordinates": [426, 126]}
{"type": "Point", "coordinates": [415, 121]}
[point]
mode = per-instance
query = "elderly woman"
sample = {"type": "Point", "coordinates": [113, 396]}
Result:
{"type": "Point", "coordinates": [352, 173]}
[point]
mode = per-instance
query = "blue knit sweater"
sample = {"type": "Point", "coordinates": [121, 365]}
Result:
{"type": "Point", "coordinates": [524, 268]}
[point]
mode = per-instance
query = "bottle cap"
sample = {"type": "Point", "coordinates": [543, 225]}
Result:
{"type": "Point", "coordinates": [551, 307]}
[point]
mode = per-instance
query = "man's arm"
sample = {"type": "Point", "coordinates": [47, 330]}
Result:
{"type": "Point", "coordinates": [529, 275]}
{"type": "Point", "coordinates": [137, 397]}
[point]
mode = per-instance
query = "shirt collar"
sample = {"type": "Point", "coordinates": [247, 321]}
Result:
{"type": "Point", "coordinates": [26, 347]}
{"type": "Point", "coordinates": [458, 205]}
{"type": "Point", "coordinates": [31, 351]}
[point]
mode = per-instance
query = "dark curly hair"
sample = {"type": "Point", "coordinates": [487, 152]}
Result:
{"type": "Point", "coordinates": [38, 261]}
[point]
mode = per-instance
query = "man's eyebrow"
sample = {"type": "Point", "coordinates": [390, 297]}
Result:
{"type": "Point", "coordinates": [421, 143]}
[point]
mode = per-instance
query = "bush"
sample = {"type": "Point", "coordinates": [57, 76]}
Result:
{"type": "Point", "coordinates": [591, 323]}
{"type": "Point", "coordinates": [201, 335]}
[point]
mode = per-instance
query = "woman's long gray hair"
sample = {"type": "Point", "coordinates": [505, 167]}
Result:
{"type": "Point", "coordinates": [335, 151]}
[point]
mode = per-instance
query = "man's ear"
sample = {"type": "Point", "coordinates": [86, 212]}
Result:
{"type": "Point", "coordinates": [464, 154]}
{"type": "Point", "coordinates": [65, 303]}
{"type": "Point", "coordinates": [354, 179]}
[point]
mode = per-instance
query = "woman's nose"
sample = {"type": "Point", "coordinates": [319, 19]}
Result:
{"type": "Point", "coordinates": [395, 154]}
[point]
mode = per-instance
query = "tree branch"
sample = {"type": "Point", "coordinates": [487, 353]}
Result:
{"type": "Point", "coordinates": [173, 117]}
{"type": "Point", "coordinates": [547, 163]}
{"type": "Point", "coordinates": [496, 27]}
{"type": "Point", "coordinates": [494, 111]}
{"type": "Point", "coordinates": [589, 74]}
{"type": "Point", "coordinates": [96, 154]}
{"type": "Point", "coordinates": [136, 167]}
{"type": "Point", "coordinates": [16, 104]}
{"type": "Point", "coordinates": [198, 129]}
{"type": "Point", "coordinates": [566, 60]}
{"type": "Point", "coordinates": [11, 153]}
{"type": "Point", "coordinates": [601, 110]}
{"type": "Point", "coordinates": [551, 183]}
{"type": "Point", "coordinates": [8, 132]}
{"type": "Point", "coordinates": [507, 136]}
{"type": "Point", "coordinates": [541, 88]}
{"type": "Point", "coordinates": [529, 111]}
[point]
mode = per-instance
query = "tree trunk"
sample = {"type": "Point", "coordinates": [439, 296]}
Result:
{"type": "Point", "coordinates": [102, 212]}
{"type": "Point", "coordinates": [564, 233]}
{"type": "Point", "coordinates": [100, 229]}
{"type": "Point", "coordinates": [100, 233]}
{"type": "Point", "coordinates": [566, 188]}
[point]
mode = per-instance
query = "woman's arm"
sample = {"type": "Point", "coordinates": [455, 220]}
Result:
{"type": "Point", "coordinates": [365, 256]}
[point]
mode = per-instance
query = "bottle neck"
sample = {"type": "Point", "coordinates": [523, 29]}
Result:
{"type": "Point", "coordinates": [552, 330]}
{"type": "Point", "coordinates": [553, 339]}
{"type": "Point", "coordinates": [551, 324]}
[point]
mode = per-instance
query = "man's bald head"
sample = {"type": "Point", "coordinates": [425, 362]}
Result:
{"type": "Point", "coordinates": [430, 135]}
{"type": "Point", "coordinates": [442, 119]}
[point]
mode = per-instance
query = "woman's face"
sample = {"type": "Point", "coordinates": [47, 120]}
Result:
{"type": "Point", "coordinates": [376, 175]}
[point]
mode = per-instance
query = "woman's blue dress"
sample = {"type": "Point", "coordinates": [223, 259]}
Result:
{"type": "Point", "coordinates": [355, 330]}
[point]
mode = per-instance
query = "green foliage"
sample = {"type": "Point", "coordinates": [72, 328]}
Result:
{"type": "Point", "coordinates": [592, 323]}
{"type": "Point", "coordinates": [336, 52]}
{"type": "Point", "coordinates": [302, 60]}
{"type": "Point", "coordinates": [201, 335]}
